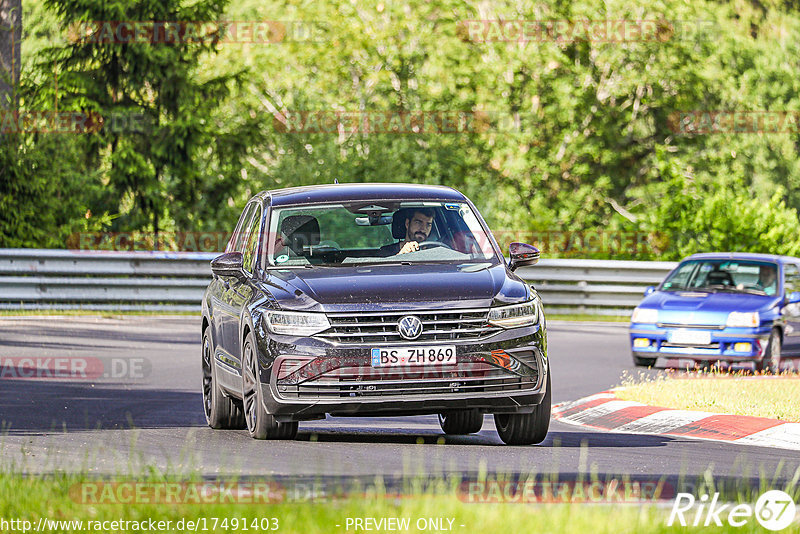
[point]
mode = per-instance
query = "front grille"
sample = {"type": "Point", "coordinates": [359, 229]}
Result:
{"type": "Point", "coordinates": [702, 326]}
{"type": "Point", "coordinates": [493, 380]}
{"type": "Point", "coordinates": [381, 327]}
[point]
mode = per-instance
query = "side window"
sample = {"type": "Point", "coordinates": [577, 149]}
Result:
{"type": "Point", "coordinates": [680, 277]}
{"type": "Point", "coordinates": [237, 237]}
{"type": "Point", "coordinates": [792, 277]}
{"type": "Point", "coordinates": [250, 251]}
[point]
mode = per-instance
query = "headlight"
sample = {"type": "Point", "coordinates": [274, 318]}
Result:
{"type": "Point", "coordinates": [644, 315]}
{"type": "Point", "coordinates": [743, 319]}
{"type": "Point", "coordinates": [296, 323]}
{"type": "Point", "coordinates": [514, 316]}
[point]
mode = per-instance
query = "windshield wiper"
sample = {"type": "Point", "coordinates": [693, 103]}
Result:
{"type": "Point", "coordinates": [365, 263]}
{"type": "Point", "coordinates": [707, 289]}
{"type": "Point", "coordinates": [751, 291]}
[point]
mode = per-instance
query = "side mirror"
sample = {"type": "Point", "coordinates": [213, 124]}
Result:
{"type": "Point", "coordinates": [522, 254]}
{"type": "Point", "coordinates": [648, 290]}
{"type": "Point", "coordinates": [228, 264]}
{"type": "Point", "coordinates": [793, 297]}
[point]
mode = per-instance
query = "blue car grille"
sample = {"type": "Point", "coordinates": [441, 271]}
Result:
{"type": "Point", "coordinates": [699, 326]}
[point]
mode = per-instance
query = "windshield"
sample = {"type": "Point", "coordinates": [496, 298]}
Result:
{"type": "Point", "coordinates": [376, 232]}
{"type": "Point", "coordinates": [724, 275]}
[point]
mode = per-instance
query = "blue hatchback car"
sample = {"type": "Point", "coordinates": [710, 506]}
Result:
{"type": "Point", "coordinates": [734, 307]}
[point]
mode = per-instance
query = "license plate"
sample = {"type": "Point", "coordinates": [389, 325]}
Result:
{"type": "Point", "coordinates": [690, 337]}
{"type": "Point", "coordinates": [422, 355]}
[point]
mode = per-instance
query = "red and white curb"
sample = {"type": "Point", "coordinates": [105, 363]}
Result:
{"type": "Point", "coordinates": [605, 411]}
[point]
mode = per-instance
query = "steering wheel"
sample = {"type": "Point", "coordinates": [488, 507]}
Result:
{"type": "Point", "coordinates": [430, 244]}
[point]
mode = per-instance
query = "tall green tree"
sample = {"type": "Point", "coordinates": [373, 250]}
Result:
{"type": "Point", "coordinates": [159, 146]}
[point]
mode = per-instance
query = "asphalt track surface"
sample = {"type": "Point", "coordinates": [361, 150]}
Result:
{"type": "Point", "coordinates": [153, 417]}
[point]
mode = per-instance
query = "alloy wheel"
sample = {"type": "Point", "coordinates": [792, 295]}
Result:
{"type": "Point", "coordinates": [208, 377]}
{"type": "Point", "coordinates": [250, 383]}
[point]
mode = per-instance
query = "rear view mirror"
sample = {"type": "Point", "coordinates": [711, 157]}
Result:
{"type": "Point", "coordinates": [228, 264]}
{"type": "Point", "coordinates": [648, 290]}
{"type": "Point", "coordinates": [367, 221]}
{"type": "Point", "coordinates": [522, 254]}
{"type": "Point", "coordinates": [793, 297]}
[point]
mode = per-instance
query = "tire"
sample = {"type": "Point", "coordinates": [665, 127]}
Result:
{"type": "Point", "coordinates": [525, 428]}
{"type": "Point", "coordinates": [644, 362]}
{"type": "Point", "coordinates": [221, 411]}
{"type": "Point", "coordinates": [260, 424]}
{"type": "Point", "coordinates": [771, 360]}
{"type": "Point", "coordinates": [461, 422]}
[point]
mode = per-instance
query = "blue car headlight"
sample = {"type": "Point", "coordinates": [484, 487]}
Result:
{"type": "Point", "coordinates": [296, 323]}
{"type": "Point", "coordinates": [516, 315]}
{"type": "Point", "coordinates": [750, 319]}
{"type": "Point", "coordinates": [644, 315]}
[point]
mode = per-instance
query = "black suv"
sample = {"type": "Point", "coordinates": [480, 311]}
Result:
{"type": "Point", "coordinates": [372, 299]}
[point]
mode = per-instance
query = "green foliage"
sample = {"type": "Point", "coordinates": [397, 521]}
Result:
{"type": "Point", "coordinates": [596, 149]}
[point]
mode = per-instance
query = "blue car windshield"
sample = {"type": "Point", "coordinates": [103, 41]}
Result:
{"type": "Point", "coordinates": [754, 277]}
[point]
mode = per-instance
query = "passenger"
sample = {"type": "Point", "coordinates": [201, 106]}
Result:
{"type": "Point", "coordinates": [418, 226]}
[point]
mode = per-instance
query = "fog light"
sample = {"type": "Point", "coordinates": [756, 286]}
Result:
{"type": "Point", "coordinates": [641, 342]}
{"type": "Point", "coordinates": [743, 347]}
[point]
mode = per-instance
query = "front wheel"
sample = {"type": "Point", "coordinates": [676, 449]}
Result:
{"type": "Point", "coordinates": [260, 424]}
{"type": "Point", "coordinates": [771, 360]}
{"type": "Point", "coordinates": [525, 428]}
{"type": "Point", "coordinates": [460, 422]}
{"type": "Point", "coordinates": [221, 411]}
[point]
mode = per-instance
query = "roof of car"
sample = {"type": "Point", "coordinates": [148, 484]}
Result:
{"type": "Point", "coordinates": [743, 256]}
{"type": "Point", "coordinates": [370, 191]}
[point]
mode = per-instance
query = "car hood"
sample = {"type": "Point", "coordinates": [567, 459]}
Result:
{"type": "Point", "coordinates": [698, 307]}
{"type": "Point", "coordinates": [383, 287]}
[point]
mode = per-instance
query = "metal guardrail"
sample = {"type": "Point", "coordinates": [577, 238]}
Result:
{"type": "Point", "coordinates": [175, 281]}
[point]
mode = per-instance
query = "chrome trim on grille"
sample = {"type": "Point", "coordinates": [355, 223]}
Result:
{"type": "Point", "coordinates": [703, 326]}
{"type": "Point", "coordinates": [442, 386]}
{"type": "Point", "coordinates": [381, 327]}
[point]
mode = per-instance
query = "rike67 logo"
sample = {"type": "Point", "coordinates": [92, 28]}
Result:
{"type": "Point", "coordinates": [774, 510]}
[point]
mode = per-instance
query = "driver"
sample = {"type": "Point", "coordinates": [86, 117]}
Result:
{"type": "Point", "coordinates": [768, 278]}
{"type": "Point", "coordinates": [418, 228]}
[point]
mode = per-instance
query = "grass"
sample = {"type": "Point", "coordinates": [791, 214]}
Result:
{"type": "Point", "coordinates": [774, 397]}
{"type": "Point", "coordinates": [55, 497]}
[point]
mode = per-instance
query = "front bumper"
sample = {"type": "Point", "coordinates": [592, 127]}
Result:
{"type": "Point", "coordinates": [504, 373]}
{"type": "Point", "coordinates": [722, 346]}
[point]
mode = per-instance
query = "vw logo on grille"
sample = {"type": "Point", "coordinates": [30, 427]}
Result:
{"type": "Point", "coordinates": [410, 327]}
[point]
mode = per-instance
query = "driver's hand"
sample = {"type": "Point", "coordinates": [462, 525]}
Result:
{"type": "Point", "coordinates": [411, 246]}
